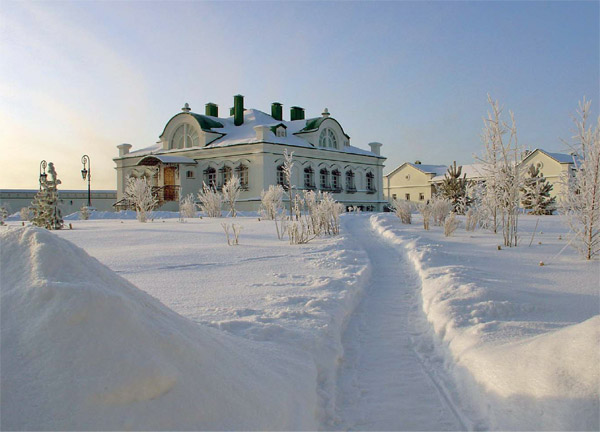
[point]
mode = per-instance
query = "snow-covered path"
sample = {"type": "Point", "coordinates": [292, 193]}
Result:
{"type": "Point", "coordinates": [390, 379]}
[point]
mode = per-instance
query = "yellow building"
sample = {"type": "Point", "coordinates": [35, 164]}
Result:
{"type": "Point", "coordinates": [553, 166]}
{"type": "Point", "coordinates": [411, 181]}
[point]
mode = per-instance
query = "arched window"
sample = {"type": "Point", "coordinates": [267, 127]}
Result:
{"type": "Point", "coordinates": [241, 171]}
{"type": "Point", "coordinates": [185, 136]}
{"type": "Point", "coordinates": [225, 175]}
{"type": "Point", "coordinates": [309, 178]}
{"type": "Point", "coordinates": [324, 177]}
{"type": "Point", "coordinates": [350, 186]}
{"type": "Point", "coordinates": [370, 182]}
{"type": "Point", "coordinates": [336, 183]}
{"type": "Point", "coordinates": [210, 177]}
{"type": "Point", "coordinates": [327, 139]}
{"type": "Point", "coordinates": [281, 176]}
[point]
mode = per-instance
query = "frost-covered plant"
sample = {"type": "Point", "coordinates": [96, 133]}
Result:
{"type": "Point", "coordinates": [425, 210]}
{"type": "Point", "coordinates": [210, 201]}
{"type": "Point", "coordinates": [450, 224]}
{"type": "Point", "coordinates": [580, 205]}
{"type": "Point", "coordinates": [440, 208]}
{"type": "Point", "coordinates": [84, 213]}
{"type": "Point", "coordinates": [236, 233]}
{"type": "Point", "coordinates": [271, 202]}
{"type": "Point", "coordinates": [25, 213]}
{"type": "Point", "coordinates": [47, 213]}
{"type": "Point", "coordinates": [535, 193]}
{"type": "Point", "coordinates": [299, 231]}
{"type": "Point", "coordinates": [231, 193]}
{"type": "Point", "coordinates": [403, 209]}
{"type": "Point", "coordinates": [139, 193]}
{"type": "Point", "coordinates": [500, 169]}
{"type": "Point", "coordinates": [454, 188]}
{"type": "Point", "coordinates": [187, 207]}
{"type": "Point", "coordinates": [288, 166]}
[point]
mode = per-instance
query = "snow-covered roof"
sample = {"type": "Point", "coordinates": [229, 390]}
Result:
{"type": "Point", "coordinates": [169, 159]}
{"type": "Point", "coordinates": [430, 169]}
{"type": "Point", "coordinates": [472, 171]}
{"type": "Point", "coordinates": [559, 157]}
{"type": "Point", "coordinates": [246, 134]}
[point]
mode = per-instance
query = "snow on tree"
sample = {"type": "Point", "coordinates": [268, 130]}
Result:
{"type": "Point", "coordinates": [84, 213]}
{"type": "Point", "coordinates": [403, 209]}
{"type": "Point", "coordinates": [211, 201]}
{"type": "Point", "coordinates": [535, 193]}
{"type": "Point", "coordinates": [425, 210]}
{"type": "Point", "coordinates": [501, 173]}
{"type": "Point", "coordinates": [25, 213]}
{"type": "Point", "coordinates": [271, 202]}
{"type": "Point", "coordinates": [454, 188]}
{"type": "Point", "coordinates": [187, 207]}
{"type": "Point", "coordinates": [46, 210]}
{"type": "Point", "coordinates": [231, 193]}
{"type": "Point", "coordinates": [139, 193]}
{"type": "Point", "coordinates": [288, 166]}
{"type": "Point", "coordinates": [580, 204]}
{"type": "Point", "coordinates": [440, 209]}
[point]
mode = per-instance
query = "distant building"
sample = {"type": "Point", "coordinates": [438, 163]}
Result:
{"type": "Point", "coordinates": [196, 149]}
{"type": "Point", "coordinates": [70, 200]}
{"type": "Point", "coordinates": [416, 182]}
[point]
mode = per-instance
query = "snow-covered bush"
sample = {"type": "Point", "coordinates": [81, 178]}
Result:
{"type": "Point", "coordinates": [271, 202]}
{"type": "Point", "coordinates": [231, 193]}
{"type": "Point", "coordinates": [440, 209]}
{"type": "Point", "coordinates": [503, 179]}
{"type": "Point", "coordinates": [46, 210]}
{"type": "Point", "coordinates": [84, 213]}
{"type": "Point", "coordinates": [236, 233]}
{"type": "Point", "coordinates": [139, 193]}
{"type": "Point", "coordinates": [425, 210]}
{"type": "Point", "coordinates": [450, 224]}
{"type": "Point", "coordinates": [403, 209]}
{"type": "Point", "coordinates": [580, 205]}
{"type": "Point", "coordinates": [25, 214]}
{"type": "Point", "coordinates": [187, 207]}
{"type": "Point", "coordinates": [210, 201]}
{"type": "Point", "coordinates": [288, 166]}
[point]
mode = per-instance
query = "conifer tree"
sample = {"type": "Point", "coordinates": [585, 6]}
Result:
{"type": "Point", "coordinates": [47, 213]}
{"type": "Point", "coordinates": [536, 193]}
{"type": "Point", "coordinates": [454, 188]}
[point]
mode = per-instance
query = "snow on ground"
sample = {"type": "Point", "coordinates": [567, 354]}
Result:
{"type": "Point", "coordinates": [522, 339]}
{"type": "Point", "coordinates": [428, 332]}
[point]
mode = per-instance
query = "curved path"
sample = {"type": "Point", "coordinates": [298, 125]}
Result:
{"type": "Point", "coordinates": [390, 378]}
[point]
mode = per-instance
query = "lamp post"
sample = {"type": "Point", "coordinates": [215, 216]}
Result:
{"type": "Point", "coordinates": [87, 172]}
{"type": "Point", "coordinates": [43, 174]}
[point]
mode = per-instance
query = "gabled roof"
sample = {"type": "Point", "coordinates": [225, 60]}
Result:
{"type": "Point", "coordinates": [426, 169]}
{"type": "Point", "coordinates": [165, 159]}
{"type": "Point", "coordinates": [558, 157]}
{"type": "Point", "coordinates": [472, 171]}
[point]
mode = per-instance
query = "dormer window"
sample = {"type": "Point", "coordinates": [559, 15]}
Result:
{"type": "Point", "coordinates": [185, 136]}
{"type": "Point", "coordinates": [280, 132]}
{"type": "Point", "coordinates": [327, 139]}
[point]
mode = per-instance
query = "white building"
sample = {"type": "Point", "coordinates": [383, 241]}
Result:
{"type": "Point", "coordinates": [196, 149]}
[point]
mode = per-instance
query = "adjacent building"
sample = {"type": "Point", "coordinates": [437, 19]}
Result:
{"type": "Point", "coordinates": [196, 149]}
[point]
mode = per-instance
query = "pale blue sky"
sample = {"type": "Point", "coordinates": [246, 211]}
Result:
{"type": "Point", "coordinates": [83, 77]}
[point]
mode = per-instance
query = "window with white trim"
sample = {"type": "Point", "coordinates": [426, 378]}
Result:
{"type": "Point", "coordinates": [327, 139]}
{"type": "Point", "coordinates": [185, 136]}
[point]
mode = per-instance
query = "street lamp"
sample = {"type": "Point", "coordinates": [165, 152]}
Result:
{"type": "Point", "coordinates": [43, 174]}
{"type": "Point", "coordinates": [87, 172]}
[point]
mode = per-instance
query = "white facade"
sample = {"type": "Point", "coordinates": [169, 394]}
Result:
{"type": "Point", "coordinates": [196, 149]}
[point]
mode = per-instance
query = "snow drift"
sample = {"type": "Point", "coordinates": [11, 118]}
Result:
{"type": "Point", "coordinates": [84, 349]}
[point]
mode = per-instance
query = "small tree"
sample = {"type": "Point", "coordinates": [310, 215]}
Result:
{"type": "Point", "coordinates": [139, 193]}
{"type": "Point", "coordinates": [454, 188]}
{"type": "Point", "coordinates": [288, 166]}
{"type": "Point", "coordinates": [425, 210]}
{"type": "Point", "coordinates": [231, 193]}
{"type": "Point", "coordinates": [536, 193]}
{"type": "Point", "coordinates": [187, 207]}
{"type": "Point", "coordinates": [211, 201]}
{"type": "Point", "coordinates": [271, 202]}
{"type": "Point", "coordinates": [84, 213]}
{"type": "Point", "coordinates": [47, 213]}
{"type": "Point", "coordinates": [403, 209]}
{"type": "Point", "coordinates": [25, 213]}
{"type": "Point", "coordinates": [580, 204]}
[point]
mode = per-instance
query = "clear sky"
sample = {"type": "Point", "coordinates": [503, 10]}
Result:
{"type": "Point", "coordinates": [82, 77]}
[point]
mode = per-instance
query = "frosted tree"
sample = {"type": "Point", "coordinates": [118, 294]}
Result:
{"type": "Point", "coordinates": [403, 209]}
{"type": "Point", "coordinates": [187, 207]}
{"type": "Point", "coordinates": [25, 213]}
{"type": "Point", "coordinates": [139, 193]}
{"type": "Point", "coordinates": [84, 213]}
{"type": "Point", "coordinates": [454, 188]}
{"type": "Point", "coordinates": [231, 193]}
{"type": "Point", "coordinates": [535, 193]}
{"type": "Point", "coordinates": [211, 201]}
{"type": "Point", "coordinates": [500, 170]}
{"type": "Point", "coordinates": [288, 166]}
{"type": "Point", "coordinates": [440, 209]}
{"type": "Point", "coordinates": [271, 202]}
{"type": "Point", "coordinates": [580, 204]}
{"type": "Point", "coordinates": [46, 210]}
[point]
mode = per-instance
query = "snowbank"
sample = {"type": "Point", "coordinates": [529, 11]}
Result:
{"type": "Point", "coordinates": [82, 348]}
{"type": "Point", "coordinates": [522, 339]}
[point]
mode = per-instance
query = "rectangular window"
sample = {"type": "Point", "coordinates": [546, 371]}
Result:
{"type": "Point", "coordinates": [189, 174]}
{"type": "Point", "coordinates": [407, 197]}
{"type": "Point", "coordinates": [394, 196]}
{"type": "Point", "coordinates": [421, 196]}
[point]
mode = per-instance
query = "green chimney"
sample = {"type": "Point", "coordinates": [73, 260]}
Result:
{"type": "Point", "coordinates": [296, 113]}
{"type": "Point", "coordinates": [238, 110]}
{"type": "Point", "coordinates": [277, 111]}
{"type": "Point", "coordinates": [211, 109]}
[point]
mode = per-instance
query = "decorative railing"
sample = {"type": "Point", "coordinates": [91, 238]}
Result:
{"type": "Point", "coordinates": [166, 193]}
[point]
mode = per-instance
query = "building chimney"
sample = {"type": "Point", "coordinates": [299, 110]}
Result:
{"type": "Point", "coordinates": [296, 113]}
{"type": "Point", "coordinates": [277, 111]}
{"type": "Point", "coordinates": [238, 110]}
{"type": "Point", "coordinates": [123, 149]}
{"type": "Point", "coordinates": [212, 109]}
{"type": "Point", "coordinates": [376, 147]}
